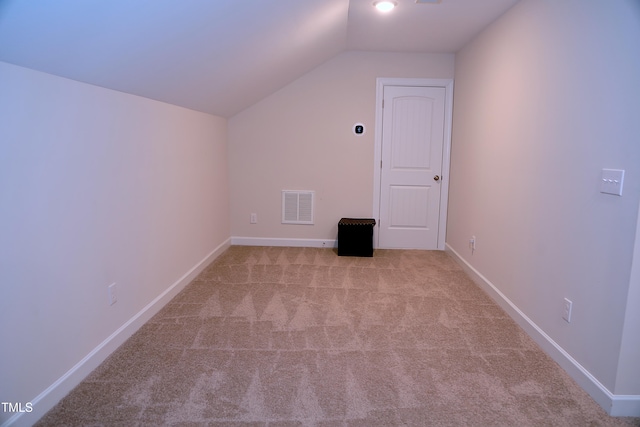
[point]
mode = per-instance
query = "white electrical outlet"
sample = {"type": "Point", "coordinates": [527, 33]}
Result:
{"type": "Point", "coordinates": [566, 310]}
{"type": "Point", "coordinates": [254, 218]}
{"type": "Point", "coordinates": [113, 296]}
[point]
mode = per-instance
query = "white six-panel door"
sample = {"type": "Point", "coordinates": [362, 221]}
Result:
{"type": "Point", "coordinates": [413, 136]}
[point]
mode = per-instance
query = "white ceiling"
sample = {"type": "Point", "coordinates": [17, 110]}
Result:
{"type": "Point", "coordinates": [221, 56]}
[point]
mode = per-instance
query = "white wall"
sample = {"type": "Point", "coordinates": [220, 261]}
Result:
{"type": "Point", "coordinates": [626, 382]}
{"type": "Point", "coordinates": [300, 138]}
{"type": "Point", "coordinates": [545, 98]}
{"type": "Point", "coordinates": [96, 187]}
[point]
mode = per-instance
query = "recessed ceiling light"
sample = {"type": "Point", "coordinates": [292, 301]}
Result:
{"type": "Point", "coordinates": [385, 5]}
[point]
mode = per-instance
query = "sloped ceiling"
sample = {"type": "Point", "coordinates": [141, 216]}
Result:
{"type": "Point", "coordinates": [221, 56]}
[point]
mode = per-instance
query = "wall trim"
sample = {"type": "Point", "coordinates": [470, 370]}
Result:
{"type": "Point", "coordinates": [614, 405]}
{"type": "Point", "coordinates": [63, 385]}
{"type": "Point", "coordinates": [276, 241]}
{"type": "Point", "coordinates": [625, 405]}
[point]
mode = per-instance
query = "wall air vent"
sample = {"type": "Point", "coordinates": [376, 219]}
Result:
{"type": "Point", "coordinates": [297, 207]}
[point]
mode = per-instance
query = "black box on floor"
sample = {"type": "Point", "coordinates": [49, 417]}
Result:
{"type": "Point", "coordinates": [355, 236]}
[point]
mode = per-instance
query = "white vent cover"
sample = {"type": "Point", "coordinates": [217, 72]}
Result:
{"type": "Point", "coordinates": [297, 207]}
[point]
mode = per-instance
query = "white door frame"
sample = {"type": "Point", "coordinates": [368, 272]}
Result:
{"type": "Point", "coordinates": [447, 84]}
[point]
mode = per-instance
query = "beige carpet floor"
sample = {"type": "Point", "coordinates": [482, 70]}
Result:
{"type": "Point", "coordinates": [269, 336]}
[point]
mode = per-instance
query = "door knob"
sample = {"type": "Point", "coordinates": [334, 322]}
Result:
{"type": "Point", "coordinates": [436, 178]}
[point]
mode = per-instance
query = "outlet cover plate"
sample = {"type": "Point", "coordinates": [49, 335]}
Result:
{"type": "Point", "coordinates": [113, 296]}
{"type": "Point", "coordinates": [611, 181]}
{"type": "Point", "coordinates": [566, 311]}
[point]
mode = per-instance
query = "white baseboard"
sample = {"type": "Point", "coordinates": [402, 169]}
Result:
{"type": "Point", "coordinates": [46, 400]}
{"type": "Point", "coordinates": [265, 241]}
{"type": "Point", "coordinates": [615, 405]}
{"type": "Point", "coordinates": [625, 406]}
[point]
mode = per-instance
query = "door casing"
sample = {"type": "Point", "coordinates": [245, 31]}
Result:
{"type": "Point", "coordinates": [447, 84]}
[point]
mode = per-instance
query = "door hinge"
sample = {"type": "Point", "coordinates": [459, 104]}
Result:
{"type": "Point", "coordinates": [383, 103]}
{"type": "Point", "coordinates": [380, 164]}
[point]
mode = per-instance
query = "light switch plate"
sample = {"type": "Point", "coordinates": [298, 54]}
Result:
{"type": "Point", "coordinates": [611, 182]}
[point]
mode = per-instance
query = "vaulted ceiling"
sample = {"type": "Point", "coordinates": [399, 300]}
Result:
{"type": "Point", "coordinates": [221, 56]}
